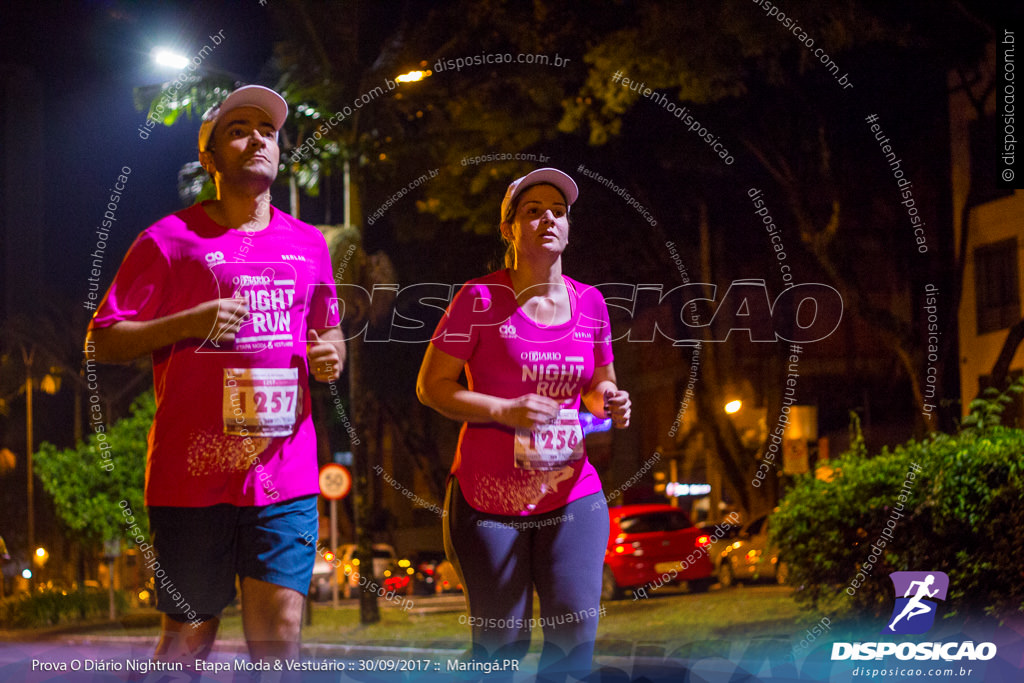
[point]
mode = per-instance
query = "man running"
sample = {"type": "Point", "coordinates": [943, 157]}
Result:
{"type": "Point", "coordinates": [914, 607]}
{"type": "Point", "coordinates": [232, 297]}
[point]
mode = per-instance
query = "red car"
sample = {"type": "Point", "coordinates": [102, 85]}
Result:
{"type": "Point", "coordinates": [652, 545]}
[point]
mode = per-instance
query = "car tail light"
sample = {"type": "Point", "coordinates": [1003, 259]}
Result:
{"type": "Point", "coordinates": [703, 540]}
{"type": "Point", "coordinates": [329, 556]}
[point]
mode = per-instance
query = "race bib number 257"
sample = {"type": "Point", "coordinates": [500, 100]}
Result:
{"type": "Point", "coordinates": [261, 401]}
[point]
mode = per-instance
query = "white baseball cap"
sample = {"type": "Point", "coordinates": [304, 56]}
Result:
{"type": "Point", "coordinates": [264, 99]}
{"type": "Point", "coordinates": [552, 176]}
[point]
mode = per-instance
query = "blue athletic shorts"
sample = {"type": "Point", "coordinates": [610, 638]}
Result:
{"type": "Point", "coordinates": [199, 551]}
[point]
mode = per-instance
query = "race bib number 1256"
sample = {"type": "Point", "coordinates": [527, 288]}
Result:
{"type": "Point", "coordinates": [550, 446]}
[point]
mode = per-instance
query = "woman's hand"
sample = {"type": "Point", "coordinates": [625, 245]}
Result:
{"type": "Point", "coordinates": [617, 407]}
{"type": "Point", "coordinates": [527, 411]}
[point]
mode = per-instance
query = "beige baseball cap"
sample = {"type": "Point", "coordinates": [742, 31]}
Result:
{"type": "Point", "coordinates": [542, 175]}
{"type": "Point", "coordinates": [257, 96]}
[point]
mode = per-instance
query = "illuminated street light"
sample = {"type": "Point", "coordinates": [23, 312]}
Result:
{"type": "Point", "coordinates": [26, 573]}
{"type": "Point", "coordinates": [733, 406]}
{"type": "Point", "coordinates": [165, 57]}
{"type": "Point", "coordinates": [413, 76]}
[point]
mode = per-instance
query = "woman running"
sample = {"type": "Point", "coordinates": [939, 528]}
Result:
{"type": "Point", "coordinates": [525, 506]}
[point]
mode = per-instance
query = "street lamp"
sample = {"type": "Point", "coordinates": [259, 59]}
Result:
{"type": "Point", "coordinates": [165, 57]}
{"type": "Point", "coordinates": [169, 59]}
{"type": "Point", "coordinates": [413, 76]}
{"type": "Point", "coordinates": [733, 406]}
{"type": "Point", "coordinates": [39, 559]}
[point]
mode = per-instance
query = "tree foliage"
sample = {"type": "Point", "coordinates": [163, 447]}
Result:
{"type": "Point", "coordinates": [87, 487]}
{"type": "Point", "coordinates": [963, 515]}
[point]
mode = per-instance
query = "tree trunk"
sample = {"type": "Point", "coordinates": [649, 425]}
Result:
{"type": "Point", "coordinates": [363, 505]}
{"type": "Point", "coordinates": [728, 456]}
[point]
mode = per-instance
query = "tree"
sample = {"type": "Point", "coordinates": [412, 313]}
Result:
{"type": "Point", "coordinates": [89, 481]}
{"type": "Point", "coordinates": [766, 91]}
{"type": "Point", "coordinates": [957, 496]}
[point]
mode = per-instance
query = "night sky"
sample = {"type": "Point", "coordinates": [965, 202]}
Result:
{"type": "Point", "coordinates": [88, 57]}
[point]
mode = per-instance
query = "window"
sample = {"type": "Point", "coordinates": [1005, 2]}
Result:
{"type": "Point", "coordinates": [996, 286]}
{"type": "Point", "coordinates": [655, 522]}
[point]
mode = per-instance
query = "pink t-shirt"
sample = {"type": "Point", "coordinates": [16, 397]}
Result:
{"type": "Point", "coordinates": [508, 355]}
{"type": "Point", "coordinates": [233, 421]}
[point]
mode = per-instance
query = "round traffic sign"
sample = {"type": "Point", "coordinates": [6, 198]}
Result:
{"type": "Point", "coordinates": [335, 481]}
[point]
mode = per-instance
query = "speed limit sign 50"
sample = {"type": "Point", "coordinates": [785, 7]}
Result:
{"type": "Point", "coordinates": [335, 481]}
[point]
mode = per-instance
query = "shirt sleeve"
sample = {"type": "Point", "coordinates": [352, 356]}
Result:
{"type": "Point", "coordinates": [323, 306]}
{"type": "Point", "coordinates": [458, 332]}
{"type": "Point", "coordinates": [139, 287]}
{"type": "Point", "coordinates": [595, 317]}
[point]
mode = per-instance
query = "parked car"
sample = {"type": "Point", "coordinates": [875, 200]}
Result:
{"type": "Point", "coordinates": [424, 564]}
{"type": "Point", "coordinates": [346, 570]}
{"type": "Point", "coordinates": [446, 579]}
{"type": "Point", "coordinates": [750, 557]}
{"type": "Point", "coordinates": [398, 576]}
{"type": "Point", "coordinates": [722, 536]}
{"type": "Point", "coordinates": [651, 544]}
{"type": "Point", "coordinates": [383, 557]}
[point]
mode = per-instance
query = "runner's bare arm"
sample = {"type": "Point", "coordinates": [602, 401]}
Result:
{"type": "Point", "coordinates": [438, 387]}
{"type": "Point", "coordinates": [217, 319]}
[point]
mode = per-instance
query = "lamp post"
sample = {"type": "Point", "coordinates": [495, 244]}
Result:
{"type": "Point", "coordinates": [49, 385]}
{"type": "Point", "coordinates": [39, 558]}
{"type": "Point", "coordinates": [27, 356]}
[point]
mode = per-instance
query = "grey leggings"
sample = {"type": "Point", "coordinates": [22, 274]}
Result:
{"type": "Point", "coordinates": [501, 559]}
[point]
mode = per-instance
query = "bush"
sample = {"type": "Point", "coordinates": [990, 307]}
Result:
{"type": "Point", "coordinates": [52, 607]}
{"type": "Point", "coordinates": [962, 513]}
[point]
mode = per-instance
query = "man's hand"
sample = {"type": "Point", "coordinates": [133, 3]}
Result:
{"type": "Point", "coordinates": [326, 355]}
{"type": "Point", "coordinates": [218, 320]}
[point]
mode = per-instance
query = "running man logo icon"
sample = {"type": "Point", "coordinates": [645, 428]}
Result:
{"type": "Point", "coordinates": [914, 612]}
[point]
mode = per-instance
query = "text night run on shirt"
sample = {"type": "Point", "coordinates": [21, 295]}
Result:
{"type": "Point", "coordinates": [553, 380]}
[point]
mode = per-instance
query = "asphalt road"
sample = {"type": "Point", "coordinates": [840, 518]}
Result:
{"type": "Point", "coordinates": [751, 658]}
